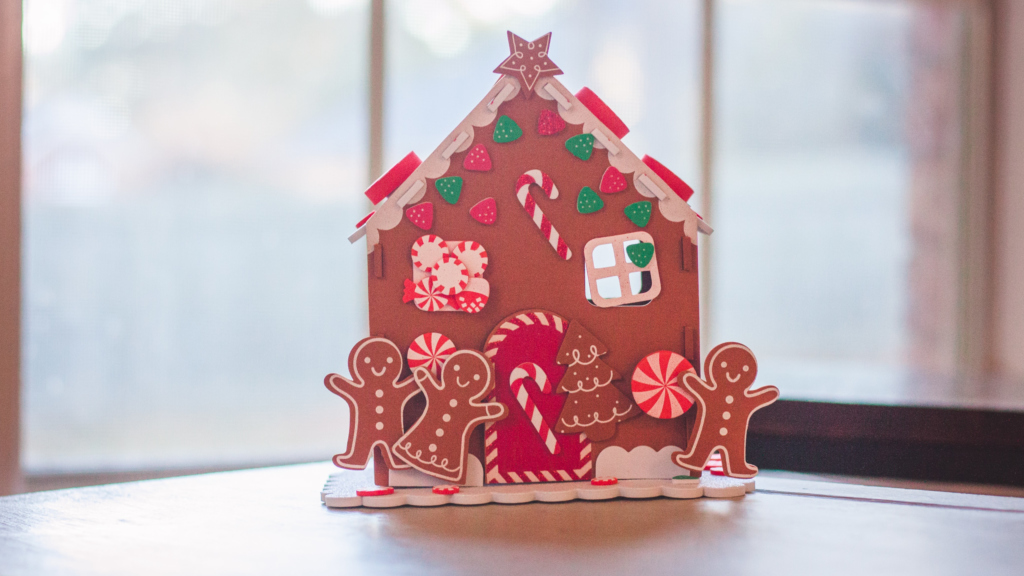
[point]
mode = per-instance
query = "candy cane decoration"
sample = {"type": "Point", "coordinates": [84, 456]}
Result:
{"type": "Point", "coordinates": [523, 194]}
{"type": "Point", "coordinates": [517, 382]}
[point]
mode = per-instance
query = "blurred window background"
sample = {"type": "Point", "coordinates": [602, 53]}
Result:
{"type": "Point", "coordinates": [193, 168]}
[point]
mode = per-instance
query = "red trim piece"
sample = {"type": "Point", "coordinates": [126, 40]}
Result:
{"type": "Point", "coordinates": [376, 491]}
{"type": "Point", "coordinates": [682, 189]}
{"type": "Point", "coordinates": [602, 111]}
{"type": "Point", "coordinates": [393, 178]}
{"type": "Point", "coordinates": [365, 219]}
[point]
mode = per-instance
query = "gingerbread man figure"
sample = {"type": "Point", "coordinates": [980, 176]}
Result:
{"type": "Point", "coordinates": [724, 405]}
{"type": "Point", "coordinates": [375, 398]}
{"type": "Point", "coordinates": [438, 443]}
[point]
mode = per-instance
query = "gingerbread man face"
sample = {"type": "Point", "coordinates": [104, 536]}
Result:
{"type": "Point", "coordinates": [732, 367]}
{"type": "Point", "coordinates": [469, 372]}
{"type": "Point", "coordinates": [375, 359]}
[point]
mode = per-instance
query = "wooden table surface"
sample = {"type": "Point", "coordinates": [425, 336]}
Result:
{"type": "Point", "coordinates": [271, 521]}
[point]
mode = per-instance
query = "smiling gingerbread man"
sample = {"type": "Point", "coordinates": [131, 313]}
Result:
{"type": "Point", "coordinates": [375, 398]}
{"type": "Point", "coordinates": [724, 405]}
{"type": "Point", "coordinates": [438, 443]}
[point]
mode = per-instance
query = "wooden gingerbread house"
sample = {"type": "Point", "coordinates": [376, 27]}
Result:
{"type": "Point", "coordinates": [532, 224]}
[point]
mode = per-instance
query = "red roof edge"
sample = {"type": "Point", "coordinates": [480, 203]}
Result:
{"type": "Point", "coordinates": [393, 178]}
{"type": "Point", "coordinates": [602, 111]}
{"type": "Point", "coordinates": [682, 189]}
{"type": "Point", "coordinates": [365, 219]}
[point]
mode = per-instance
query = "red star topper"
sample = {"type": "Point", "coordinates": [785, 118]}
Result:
{"type": "Point", "coordinates": [529, 60]}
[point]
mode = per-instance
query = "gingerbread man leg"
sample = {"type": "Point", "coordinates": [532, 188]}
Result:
{"type": "Point", "coordinates": [696, 457]}
{"type": "Point", "coordinates": [734, 462]}
{"type": "Point", "coordinates": [362, 452]}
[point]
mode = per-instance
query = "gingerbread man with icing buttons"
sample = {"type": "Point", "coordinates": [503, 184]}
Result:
{"type": "Point", "coordinates": [438, 443]}
{"type": "Point", "coordinates": [724, 405]}
{"type": "Point", "coordinates": [375, 398]}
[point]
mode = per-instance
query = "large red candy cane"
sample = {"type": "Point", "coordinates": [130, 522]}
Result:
{"type": "Point", "coordinates": [523, 194]}
{"type": "Point", "coordinates": [529, 370]}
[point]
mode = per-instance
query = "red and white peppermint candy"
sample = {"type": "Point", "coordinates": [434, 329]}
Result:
{"type": "Point", "coordinates": [430, 350]}
{"type": "Point", "coordinates": [427, 250]}
{"type": "Point", "coordinates": [450, 274]}
{"type": "Point", "coordinates": [656, 388]}
{"type": "Point", "coordinates": [605, 481]}
{"type": "Point", "coordinates": [446, 489]}
{"type": "Point", "coordinates": [472, 255]}
{"type": "Point", "coordinates": [427, 295]}
{"type": "Point", "coordinates": [475, 296]}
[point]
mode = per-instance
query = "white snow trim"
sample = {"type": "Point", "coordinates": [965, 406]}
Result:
{"type": "Point", "coordinates": [672, 207]}
{"type": "Point", "coordinates": [605, 141]}
{"type": "Point", "coordinates": [492, 106]}
{"type": "Point", "coordinates": [459, 141]}
{"type": "Point", "coordinates": [389, 212]}
{"type": "Point", "coordinates": [652, 187]}
{"type": "Point", "coordinates": [556, 94]}
{"type": "Point", "coordinates": [640, 462]}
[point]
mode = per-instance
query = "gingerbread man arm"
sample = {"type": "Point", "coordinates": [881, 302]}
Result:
{"type": "Point", "coordinates": [694, 383]}
{"type": "Point", "coordinates": [763, 396]}
{"type": "Point", "coordinates": [337, 383]}
{"type": "Point", "coordinates": [341, 386]}
{"type": "Point", "coordinates": [399, 384]}
{"type": "Point", "coordinates": [501, 414]}
{"type": "Point", "coordinates": [425, 380]}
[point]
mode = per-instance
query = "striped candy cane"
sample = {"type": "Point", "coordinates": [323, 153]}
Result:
{"type": "Point", "coordinates": [529, 370]}
{"type": "Point", "coordinates": [523, 194]}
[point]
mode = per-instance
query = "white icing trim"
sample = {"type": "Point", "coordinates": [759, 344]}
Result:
{"type": "Point", "coordinates": [407, 196]}
{"type": "Point", "coordinates": [389, 211]}
{"type": "Point", "coordinates": [605, 141]}
{"type": "Point", "coordinates": [671, 206]}
{"type": "Point", "coordinates": [359, 233]}
{"type": "Point", "coordinates": [462, 137]}
{"type": "Point", "coordinates": [501, 97]}
{"type": "Point", "coordinates": [557, 95]}
{"type": "Point", "coordinates": [646, 181]}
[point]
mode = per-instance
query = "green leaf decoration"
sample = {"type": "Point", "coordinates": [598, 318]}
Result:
{"type": "Point", "coordinates": [506, 130]}
{"type": "Point", "coordinates": [640, 254]}
{"type": "Point", "coordinates": [639, 213]}
{"type": "Point", "coordinates": [449, 188]}
{"type": "Point", "coordinates": [588, 201]}
{"type": "Point", "coordinates": [581, 146]}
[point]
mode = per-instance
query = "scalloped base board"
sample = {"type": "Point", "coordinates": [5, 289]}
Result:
{"type": "Point", "coordinates": [340, 492]}
{"type": "Point", "coordinates": [412, 478]}
{"type": "Point", "coordinates": [641, 462]}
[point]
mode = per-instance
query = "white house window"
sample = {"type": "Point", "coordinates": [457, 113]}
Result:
{"type": "Point", "coordinates": [612, 276]}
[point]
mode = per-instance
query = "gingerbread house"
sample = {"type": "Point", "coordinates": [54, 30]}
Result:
{"type": "Point", "coordinates": [533, 235]}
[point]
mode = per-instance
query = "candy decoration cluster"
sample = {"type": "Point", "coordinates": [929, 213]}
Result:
{"type": "Point", "coordinates": [447, 276]}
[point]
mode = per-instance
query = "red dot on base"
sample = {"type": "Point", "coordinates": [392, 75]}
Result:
{"type": "Point", "coordinates": [376, 491]}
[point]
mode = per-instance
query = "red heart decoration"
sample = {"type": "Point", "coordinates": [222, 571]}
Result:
{"type": "Point", "coordinates": [549, 123]}
{"type": "Point", "coordinates": [613, 181]}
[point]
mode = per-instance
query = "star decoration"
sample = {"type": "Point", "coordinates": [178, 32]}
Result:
{"type": "Point", "coordinates": [529, 61]}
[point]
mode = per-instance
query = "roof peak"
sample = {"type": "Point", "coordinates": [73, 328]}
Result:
{"type": "Point", "coordinates": [528, 61]}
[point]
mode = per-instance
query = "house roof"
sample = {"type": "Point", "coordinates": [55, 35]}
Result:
{"type": "Point", "coordinates": [650, 178]}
